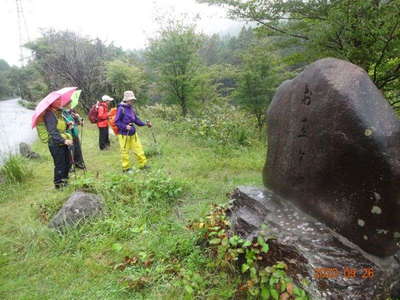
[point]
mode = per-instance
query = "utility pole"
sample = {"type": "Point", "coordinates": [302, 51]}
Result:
{"type": "Point", "coordinates": [23, 36]}
{"type": "Point", "coordinates": [23, 33]}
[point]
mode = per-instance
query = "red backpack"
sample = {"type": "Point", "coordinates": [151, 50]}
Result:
{"type": "Point", "coordinates": [93, 112]}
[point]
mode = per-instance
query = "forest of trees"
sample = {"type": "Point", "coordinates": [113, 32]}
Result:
{"type": "Point", "coordinates": [190, 69]}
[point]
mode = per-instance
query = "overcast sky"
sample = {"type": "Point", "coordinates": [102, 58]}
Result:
{"type": "Point", "coordinates": [129, 23]}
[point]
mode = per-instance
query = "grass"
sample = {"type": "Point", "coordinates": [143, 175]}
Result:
{"type": "Point", "coordinates": [140, 248]}
{"type": "Point", "coordinates": [14, 170]}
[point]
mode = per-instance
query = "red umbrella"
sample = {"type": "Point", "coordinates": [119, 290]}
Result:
{"type": "Point", "coordinates": [63, 96]}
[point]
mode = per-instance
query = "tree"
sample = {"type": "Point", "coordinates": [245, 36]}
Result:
{"type": "Point", "coordinates": [27, 82]}
{"type": "Point", "coordinates": [5, 87]}
{"type": "Point", "coordinates": [364, 32]}
{"type": "Point", "coordinates": [174, 58]}
{"type": "Point", "coordinates": [257, 79]}
{"type": "Point", "coordinates": [65, 58]}
{"type": "Point", "coordinates": [122, 76]}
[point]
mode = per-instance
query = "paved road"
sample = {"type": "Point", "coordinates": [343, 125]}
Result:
{"type": "Point", "coordinates": [15, 127]}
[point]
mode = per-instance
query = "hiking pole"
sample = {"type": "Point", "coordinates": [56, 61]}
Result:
{"type": "Point", "coordinates": [126, 139]}
{"type": "Point", "coordinates": [71, 152]}
{"type": "Point", "coordinates": [152, 133]}
{"type": "Point", "coordinates": [130, 124]}
{"type": "Point", "coordinates": [81, 145]}
{"type": "Point", "coordinates": [154, 139]}
{"type": "Point", "coordinates": [81, 132]}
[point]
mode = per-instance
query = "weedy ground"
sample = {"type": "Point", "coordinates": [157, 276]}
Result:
{"type": "Point", "coordinates": [140, 247]}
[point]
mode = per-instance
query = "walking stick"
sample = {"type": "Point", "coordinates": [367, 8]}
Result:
{"type": "Point", "coordinates": [155, 141]}
{"type": "Point", "coordinates": [130, 124]}
{"type": "Point", "coordinates": [71, 152]}
{"type": "Point", "coordinates": [81, 133]}
{"type": "Point", "coordinates": [80, 140]}
{"type": "Point", "coordinates": [154, 138]}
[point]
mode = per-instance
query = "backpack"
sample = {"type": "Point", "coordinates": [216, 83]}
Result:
{"type": "Point", "coordinates": [44, 135]}
{"type": "Point", "coordinates": [111, 120]}
{"type": "Point", "coordinates": [93, 112]}
{"type": "Point", "coordinates": [42, 130]}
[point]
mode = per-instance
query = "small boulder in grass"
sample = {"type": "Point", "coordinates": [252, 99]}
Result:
{"type": "Point", "coordinates": [26, 151]}
{"type": "Point", "coordinates": [78, 208]}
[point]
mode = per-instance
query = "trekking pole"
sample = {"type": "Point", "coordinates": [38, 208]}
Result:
{"type": "Point", "coordinates": [152, 132]}
{"type": "Point", "coordinates": [126, 139]}
{"type": "Point", "coordinates": [80, 140]}
{"type": "Point", "coordinates": [154, 137]}
{"type": "Point", "coordinates": [71, 152]}
{"type": "Point", "coordinates": [127, 135]}
{"type": "Point", "coordinates": [81, 132]}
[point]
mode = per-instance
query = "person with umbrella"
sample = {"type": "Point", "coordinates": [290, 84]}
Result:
{"type": "Point", "coordinates": [126, 119]}
{"type": "Point", "coordinates": [58, 138]}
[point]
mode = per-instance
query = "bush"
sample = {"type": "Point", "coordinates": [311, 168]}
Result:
{"type": "Point", "coordinates": [216, 124]}
{"type": "Point", "coordinates": [167, 113]}
{"type": "Point", "coordinates": [14, 170]}
{"type": "Point", "coordinates": [224, 125]}
{"type": "Point", "coordinates": [27, 104]}
{"type": "Point", "coordinates": [262, 277]}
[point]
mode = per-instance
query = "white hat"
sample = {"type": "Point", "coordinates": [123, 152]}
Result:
{"type": "Point", "coordinates": [107, 98]}
{"type": "Point", "coordinates": [129, 95]}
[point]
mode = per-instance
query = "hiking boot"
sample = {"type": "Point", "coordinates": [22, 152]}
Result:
{"type": "Point", "coordinates": [60, 185]}
{"type": "Point", "coordinates": [146, 167]}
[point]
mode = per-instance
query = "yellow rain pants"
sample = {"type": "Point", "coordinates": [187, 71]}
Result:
{"type": "Point", "coordinates": [127, 143]}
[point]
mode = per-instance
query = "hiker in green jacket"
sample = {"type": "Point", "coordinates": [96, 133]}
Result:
{"type": "Point", "coordinates": [73, 121]}
{"type": "Point", "coordinates": [58, 141]}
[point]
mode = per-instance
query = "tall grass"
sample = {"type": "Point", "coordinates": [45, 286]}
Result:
{"type": "Point", "coordinates": [14, 170]}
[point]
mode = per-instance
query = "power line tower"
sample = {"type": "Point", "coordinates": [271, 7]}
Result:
{"type": "Point", "coordinates": [23, 33]}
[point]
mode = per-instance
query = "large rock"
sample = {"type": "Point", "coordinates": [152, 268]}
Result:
{"type": "Point", "coordinates": [26, 151]}
{"type": "Point", "coordinates": [334, 151]}
{"type": "Point", "coordinates": [78, 207]}
{"type": "Point", "coordinates": [335, 268]}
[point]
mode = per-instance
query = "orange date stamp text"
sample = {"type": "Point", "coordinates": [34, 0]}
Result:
{"type": "Point", "coordinates": [346, 272]}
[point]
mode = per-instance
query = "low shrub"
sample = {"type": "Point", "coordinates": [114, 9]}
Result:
{"type": "Point", "coordinates": [246, 259]}
{"type": "Point", "coordinates": [164, 112]}
{"type": "Point", "coordinates": [216, 124]}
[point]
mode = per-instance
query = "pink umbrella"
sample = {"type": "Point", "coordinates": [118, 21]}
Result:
{"type": "Point", "coordinates": [63, 95]}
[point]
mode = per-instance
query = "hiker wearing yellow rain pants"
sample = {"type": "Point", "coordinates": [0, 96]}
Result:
{"type": "Point", "coordinates": [126, 119]}
{"type": "Point", "coordinates": [127, 143]}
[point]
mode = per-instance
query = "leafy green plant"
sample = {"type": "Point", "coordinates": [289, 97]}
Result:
{"type": "Point", "coordinates": [14, 170]}
{"type": "Point", "coordinates": [233, 253]}
{"type": "Point", "coordinates": [158, 187]}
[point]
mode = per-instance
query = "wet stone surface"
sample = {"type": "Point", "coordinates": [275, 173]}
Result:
{"type": "Point", "coordinates": [78, 208]}
{"type": "Point", "coordinates": [334, 151]}
{"type": "Point", "coordinates": [334, 267]}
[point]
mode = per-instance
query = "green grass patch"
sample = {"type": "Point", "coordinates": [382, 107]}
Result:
{"type": "Point", "coordinates": [140, 247]}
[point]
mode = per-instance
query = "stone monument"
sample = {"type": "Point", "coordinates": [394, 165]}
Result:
{"type": "Point", "coordinates": [332, 176]}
